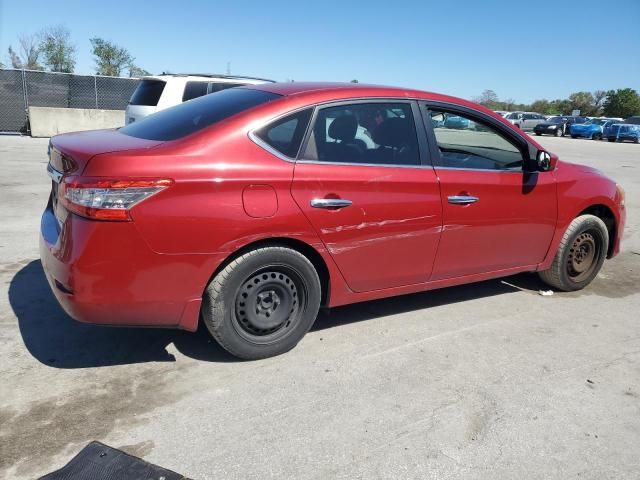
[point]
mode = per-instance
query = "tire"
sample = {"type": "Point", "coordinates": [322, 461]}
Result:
{"type": "Point", "coordinates": [262, 303]}
{"type": "Point", "coordinates": [596, 136]}
{"type": "Point", "coordinates": [611, 139]}
{"type": "Point", "coordinates": [559, 132]}
{"type": "Point", "coordinates": [574, 136]}
{"type": "Point", "coordinates": [580, 255]}
{"type": "Point", "coordinates": [538, 134]}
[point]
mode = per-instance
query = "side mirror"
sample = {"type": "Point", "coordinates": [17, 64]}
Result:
{"type": "Point", "coordinates": [545, 161]}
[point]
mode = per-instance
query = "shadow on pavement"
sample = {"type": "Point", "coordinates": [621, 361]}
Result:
{"type": "Point", "coordinates": [54, 339]}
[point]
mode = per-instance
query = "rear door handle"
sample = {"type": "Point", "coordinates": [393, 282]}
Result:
{"type": "Point", "coordinates": [462, 199]}
{"type": "Point", "coordinates": [330, 203]}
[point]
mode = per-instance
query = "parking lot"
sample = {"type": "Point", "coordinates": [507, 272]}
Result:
{"type": "Point", "coordinates": [491, 380]}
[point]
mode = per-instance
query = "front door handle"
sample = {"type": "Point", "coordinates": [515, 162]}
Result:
{"type": "Point", "coordinates": [330, 203]}
{"type": "Point", "coordinates": [462, 199]}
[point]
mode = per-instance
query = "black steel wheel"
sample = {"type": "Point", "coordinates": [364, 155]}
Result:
{"type": "Point", "coordinates": [580, 255]}
{"type": "Point", "coordinates": [268, 304]}
{"type": "Point", "coordinates": [263, 302]}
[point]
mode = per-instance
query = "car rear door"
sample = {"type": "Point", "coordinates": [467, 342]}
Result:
{"type": "Point", "coordinates": [495, 217]}
{"type": "Point", "coordinates": [365, 184]}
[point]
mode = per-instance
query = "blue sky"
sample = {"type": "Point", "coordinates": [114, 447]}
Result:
{"type": "Point", "coordinates": [455, 47]}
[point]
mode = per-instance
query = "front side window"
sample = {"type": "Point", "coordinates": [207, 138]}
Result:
{"type": "Point", "coordinates": [366, 133]}
{"type": "Point", "coordinates": [285, 135]}
{"type": "Point", "coordinates": [472, 144]}
{"type": "Point", "coordinates": [219, 86]}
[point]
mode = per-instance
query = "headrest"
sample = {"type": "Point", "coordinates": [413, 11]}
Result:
{"type": "Point", "coordinates": [393, 132]}
{"type": "Point", "coordinates": [344, 128]}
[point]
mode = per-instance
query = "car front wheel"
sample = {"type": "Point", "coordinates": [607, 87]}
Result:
{"type": "Point", "coordinates": [580, 255]}
{"type": "Point", "coordinates": [559, 132]}
{"type": "Point", "coordinates": [262, 303]}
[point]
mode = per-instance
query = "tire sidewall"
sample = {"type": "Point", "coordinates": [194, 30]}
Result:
{"type": "Point", "coordinates": [597, 227]}
{"type": "Point", "coordinates": [219, 306]}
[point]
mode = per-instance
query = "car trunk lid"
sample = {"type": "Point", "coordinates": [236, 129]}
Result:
{"type": "Point", "coordinates": [71, 152]}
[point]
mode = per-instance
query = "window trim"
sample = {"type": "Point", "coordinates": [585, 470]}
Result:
{"type": "Point", "coordinates": [253, 133]}
{"type": "Point", "coordinates": [423, 150]}
{"type": "Point", "coordinates": [525, 147]}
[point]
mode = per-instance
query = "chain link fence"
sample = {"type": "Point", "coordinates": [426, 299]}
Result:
{"type": "Point", "coordinates": [21, 89]}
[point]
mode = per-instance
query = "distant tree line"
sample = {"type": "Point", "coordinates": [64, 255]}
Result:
{"type": "Point", "coordinates": [623, 102]}
{"type": "Point", "coordinates": [51, 49]}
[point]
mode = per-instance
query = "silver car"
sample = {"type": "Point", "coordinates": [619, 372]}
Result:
{"type": "Point", "coordinates": [525, 120]}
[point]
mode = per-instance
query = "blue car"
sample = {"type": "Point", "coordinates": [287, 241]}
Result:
{"type": "Point", "coordinates": [620, 132]}
{"type": "Point", "coordinates": [456, 122]}
{"type": "Point", "coordinates": [592, 129]}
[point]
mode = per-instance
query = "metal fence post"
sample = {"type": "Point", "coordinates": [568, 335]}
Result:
{"type": "Point", "coordinates": [95, 87]}
{"type": "Point", "coordinates": [25, 96]}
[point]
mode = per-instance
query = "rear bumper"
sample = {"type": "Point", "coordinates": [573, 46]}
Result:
{"type": "Point", "coordinates": [104, 273]}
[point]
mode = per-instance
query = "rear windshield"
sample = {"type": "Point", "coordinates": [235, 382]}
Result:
{"type": "Point", "coordinates": [189, 117]}
{"type": "Point", "coordinates": [147, 93]}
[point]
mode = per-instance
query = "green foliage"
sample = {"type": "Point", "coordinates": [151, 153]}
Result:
{"type": "Point", "coordinates": [584, 102]}
{"type": "Point", "coordinates": [624, 102]}
{"type": "Point", "coordinates": [620, 103]}
{"type": "Point", "coordinates": [135, 71]}
{"type": "Point", "coordinates": [28, 54]}
{"type": "Point", "coordinates": [57, 50]}
{"type": "Point", "coordinates": [110, 59]}
{"type": "Point", "coordinates": [355, 80]}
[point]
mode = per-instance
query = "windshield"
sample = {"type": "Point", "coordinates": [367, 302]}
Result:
{"type": "Point", "coordinates": [189, 117]}
{"type": "Point", "coordinates": [514, 116]}
{"type": "Point", "coordinates": [556, 120]}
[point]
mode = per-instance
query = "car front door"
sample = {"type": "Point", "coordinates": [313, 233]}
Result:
{"type": "Point", "coordinates": [495, 216]}
{"type": "Point", "coordinates": [365, 184]}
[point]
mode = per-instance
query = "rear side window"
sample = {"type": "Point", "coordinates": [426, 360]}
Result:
{"type": "Point", "coordinates": [194, 90]}
{"type": "Point", "coordinates": [285, 135]}
{"type": "Point", "coordinates": [147, 93]}
{"type": "Point", "coordinates": [190, 117]}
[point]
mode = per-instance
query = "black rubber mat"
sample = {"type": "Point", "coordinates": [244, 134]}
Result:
{"type": "Point", "coordinates": [98, 461]}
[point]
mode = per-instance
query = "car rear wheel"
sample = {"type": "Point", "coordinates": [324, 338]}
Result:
{"type": "Point", "coordinates": [597, 136]}
{"type": "Point", "coordinates": [580, 255]}
{"type": "Point", "coordinates": [262, 303]}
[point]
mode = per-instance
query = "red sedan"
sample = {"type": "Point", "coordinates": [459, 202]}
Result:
{"type": "Point", "coordinates": [252, 207]}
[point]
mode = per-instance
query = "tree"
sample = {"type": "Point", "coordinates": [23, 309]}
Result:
{"type": "Point", "coordinates": [541, 106]}
{"type": "Point", "coordinates": [624, 102]}
{"type": "Point", "coordinates": [57, 49]}
{"type": "Point", "coordinates": [599, 96]}
{"type": "Point", "coordinates": [110, 59]}
{"type": "Point", "coordinates": [28, 54]}
{"type": "Point", "coordinates": [355, 80]}
{"type": "Point", "coordinates": [582, 101]}
{"type": "Point", "coordinates": [135, 71]}
{"type": "Point", "coordinates": [489, 99]}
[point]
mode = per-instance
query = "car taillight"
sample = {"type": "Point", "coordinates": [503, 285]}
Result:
{"type": "Point", "coordinates": [107, 199]}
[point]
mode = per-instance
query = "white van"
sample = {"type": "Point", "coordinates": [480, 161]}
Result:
{"type": "Point", "coordinates": [157, 92]}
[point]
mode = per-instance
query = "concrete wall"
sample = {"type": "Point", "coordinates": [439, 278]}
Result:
{"type": "Point", "coordinates": [47, 121]}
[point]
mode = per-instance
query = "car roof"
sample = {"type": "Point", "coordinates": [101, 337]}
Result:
{"type": "Point", "coordinates": [205, 77]}
{"type": "Point", "coordinates": [330, 90]}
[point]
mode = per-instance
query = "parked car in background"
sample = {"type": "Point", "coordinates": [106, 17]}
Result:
{"type": "Point", "coordinates": [243, 211]}
{"type": "Point", "coordinates": [635, 120]}
{"type": "Point", "coordinates": [157, 92]}
{"type": "Point", "coordinates": [558, 126]}
{"type": "Point", "coordinates": [454, 121]}
{"type": "Point", "coordinates": [592, 129]}
{"type": "Point", "coordinates": [502, 113]}
{"type": "Point", "coordinates": [622, 132]}
{"type": "Point", "coordinates": [525, 120]}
